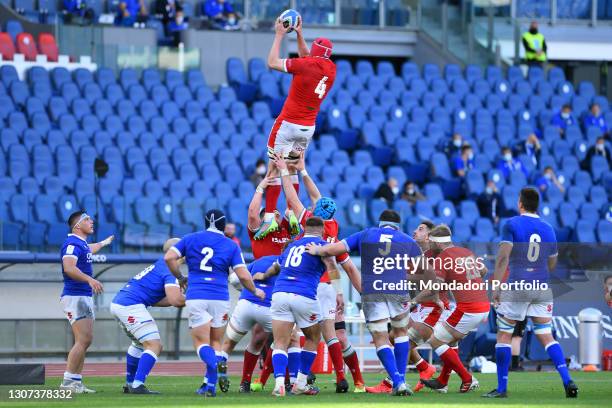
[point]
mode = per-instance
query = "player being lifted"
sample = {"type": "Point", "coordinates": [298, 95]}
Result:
{"type": "Point", "coordinates": [153, 286]}
{"type": "Point", "coordinates": [209, 255]}
{"type": "Point", "coordinates": [529, 248]}
{"type": "Point", "coordinates": [76, 299]}
{"type": "Point", "coordinates": [330, 300]}
{"type": "Point", "coordinates": [380, 309]}
{"type": "Point", "coordinates": [456, 264]}
{"type": "Point", "coordinates": [313, 76]}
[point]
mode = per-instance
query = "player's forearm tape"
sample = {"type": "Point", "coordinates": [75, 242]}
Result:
{"type": "Point", "coordinates": [259, 190]}
{"type": "Point", "coordinates": [337, 285]}
{"type": "Point", "coordinates": [284, 172]}
{"type": "Point", "coordinates": [304, 173]}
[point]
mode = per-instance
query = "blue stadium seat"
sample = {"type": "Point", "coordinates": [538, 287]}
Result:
{"type": "Point", "coordinates": [585, 231]}
{"type": "Point", "coordinates": [132, 188]}
{"type": "Point", "coordinates": [462, 232]}
{"type": "Point", "coordinates": [469, 211]}
{"type": "Point", "coordinates": [568, 215]}
{"type": "Point", "coordinates": [473, 73]}
{"type": "Point", "coordinates": [484, 230]}
{"type": "Point", "coordinates": [105, 77]}
{"type": "Point", "coordinates": [446, 212]}
{"type": "Point", "coordinates": [204, 96]}
{"type": "Point", "coordinates": [364, 69]}
{"type": "Point", "coordinates": [604, 231]}
{"type": "Point", "coordinates": [475, 182]}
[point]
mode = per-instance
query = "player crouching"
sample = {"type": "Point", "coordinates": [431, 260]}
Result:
{"type": "Point", "coordinates": [456, 264]}
{"type": "Point", "coordinates": [154, 286]}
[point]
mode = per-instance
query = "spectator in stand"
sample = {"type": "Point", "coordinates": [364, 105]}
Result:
{"type": "Point", "coordinates": [599, 149]}
{"type": "Point", "coordinates": [78, 9]}
{"type": "Point", "coordinates": [259, 173]}
{"type": "Point", "coordinates": [463, 161]}
{"type": "Point", "coordinates": [535, 46]}
{"type": "Point", "coordinates": [131, 13]}
{"type": "Point", "coordinates": [508, 163]}
{"type": "Point", "coordinates": [230, 232]}
{"type": "Point", "coordinates": [563, 119]}
{"type": "Point", "coordinates": [221, 14]}
{"type": "Point", "coordinates": [530, 147]}
{"type": "Point", "coordinates": [387, 191]}
{"type": "Point", "coordinates": [608, 290]}
{"type": "Point", "coordinates": [549, 179]}
{"type": "Point", "coordinates": [411, 193]}
{"type": "Point", "coordinates": [166, 11]}
{"type": "Point", "coordinates": [595, 118]}
{"type": "Point", "coordinates": [490, 202]}
{"type": "Point", "coordinates": [177, 26]}
{"type": "Point", "coordinates": [453, 146]}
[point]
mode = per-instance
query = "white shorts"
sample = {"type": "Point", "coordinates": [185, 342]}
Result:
{"type": "Point", "coordinates": [136, 321]}
{"type": "Point", "coordinates": [326, 295]}
{"type": "Point", "coordinates": [286, 137]}
{"type": "Point", "coordinates": [246, 314]}
{"type": "Point", "coordinates": [520, 304]}
{"type": "Point", "coordinates": [77, 308]}
{"type": "Point", "coordinates": [290, 307]}
{"type": "Point", "coordinates": [463, 322]}
{"type": "Point", "coordinates": [202, 311]}
{"type": "Point", "coordinates": [387, 307]}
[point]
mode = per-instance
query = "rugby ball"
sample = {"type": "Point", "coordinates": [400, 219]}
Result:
{"type": "Point", "coordinates": [290, 19]}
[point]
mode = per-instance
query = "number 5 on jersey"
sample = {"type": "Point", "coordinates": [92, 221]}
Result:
{"type": "Point", "coordinates": [321, 88]}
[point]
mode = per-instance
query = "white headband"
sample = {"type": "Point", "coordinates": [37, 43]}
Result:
{"type": "Point", "coordinates": [83, 217]}
{"type": "Point", "coordinates": [443, 239]}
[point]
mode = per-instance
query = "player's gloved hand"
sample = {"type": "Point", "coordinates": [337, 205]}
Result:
{"type": "Point", "coordinates": [107, 241]}
{"type": "Point", "coordinates": [312, 249]}
{"type": "Point", "coordinates": [260, 294]}
{"type": "Point", "coordinates": [96, 286]}
{"type": "Point", "coordinates": [259, 276]}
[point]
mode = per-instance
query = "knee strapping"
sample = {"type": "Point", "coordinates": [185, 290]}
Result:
{"type": "Point", "coordinates": [505, 326]}
{"type": "Point", "coordinates": [414, 335]}
{"type": "Point", "coordinates": [401, 323]}
{"type": "Point", "coordinates": [542, 328]}
{"type": "Point", "coordinates": [380, 327]}
{"type": "Point", "coordinates": [233, 334]}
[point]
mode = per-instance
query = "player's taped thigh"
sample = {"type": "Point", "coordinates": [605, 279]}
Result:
{"type": "Point", "coordinates": [415, 336]}
{"type": "Point", "coordinates": [379, 327]}
{"type": "Point", "coordinates": [441, 333]}
{"type": "Point", "coordinates": [146, 331]}
{"type": "Point", "coordinates": [233, 334]}
{"type": "Point", "coordinates": [504, 325]}
{"type": "Point", "coordinates": [542, 328]}
{"type": "Point", "coordinates": [401, 323]}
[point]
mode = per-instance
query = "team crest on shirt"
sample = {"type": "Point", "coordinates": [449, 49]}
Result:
{"type": "Point", "coordinates": [225, 317]}
{"type": "Point", "coordinates": [69, 315]}
{"type": "Point", "coordinates": [312, 317]}
{"type": "Point", "coordinates": [549, 308]}
{"type": "Point", "coordinates": [131, 319]}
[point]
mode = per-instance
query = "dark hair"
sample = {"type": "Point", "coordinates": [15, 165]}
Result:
{"type": "Point", "coordinates": [548, 168]}
{"type": "Point", "coordinates": [430, 225]}
{"type": "Point", "coordinates": [316, 222]}
{"type": "Point", "coordinates": [607, 277]}
{"type": "Point", "coordinates": [566, 106]}
{"type": "Point", "coordinates": [465, 147]}
{"type": "Point", "coordinates": [530, 199]}
{"type": "Point", "coordinates": [259, 161]}
{"type": "Point", "coordinates": [74, 218]}
{"type": "Point", "coordinates": [390, 216]}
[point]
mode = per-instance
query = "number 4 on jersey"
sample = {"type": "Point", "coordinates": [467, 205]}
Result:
{"type": "Point", "coordinates": [321, 87]}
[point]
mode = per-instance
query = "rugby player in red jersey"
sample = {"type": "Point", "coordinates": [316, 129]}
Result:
{"type": "Point", "coordinates": [313, 76]}
{"type": "Point", "coordinates": [456, 264]}
{"type": "Point", "coordinates": [329, 292]}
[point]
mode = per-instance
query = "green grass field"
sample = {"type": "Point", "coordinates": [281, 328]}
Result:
{"type": "Point", "coordinates": [534, 389]}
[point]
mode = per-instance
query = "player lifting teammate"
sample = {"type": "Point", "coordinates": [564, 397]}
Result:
{"type": "Point", "coordinates": [313, 76]}
{"type": "Point", "coordinates": [330, 300]}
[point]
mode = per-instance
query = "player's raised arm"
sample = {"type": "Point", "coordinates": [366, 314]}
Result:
{"type": "Point", "coordinates": [335, 249]}
{"type": "Point", "coordinates": [274, 60]}
{"type": "Point", "coordinates": [95, 247]}
{"type": "Point", "coordinates": [293, 201]}
{"type": "Point", "coordinates": [174, 296]}
{"type": "Point", "coordinates": [353, 274]}
{"type": "Point", "coordinates": [303, 50]}
{"type": "Point", "coordinates": [254, 221]}
{"type": "Point", "coordinates": [309, 184]}
{"type": "Point", "coordinates": [70, 268]}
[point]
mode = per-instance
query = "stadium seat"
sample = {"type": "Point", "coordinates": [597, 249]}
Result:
{"type": "Point", "coordinates": [47, 46]}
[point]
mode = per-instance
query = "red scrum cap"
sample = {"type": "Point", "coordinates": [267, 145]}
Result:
{"type": "Point", "coordinates": [321, 47]}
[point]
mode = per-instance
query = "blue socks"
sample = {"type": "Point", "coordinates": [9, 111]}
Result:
{"type": "Point", "coordinates": [207, 355]}
{"type": "Point", "coordinates": [387, 358]}
{"type": "Point", "coordinates": [556, 355]}
{"type": "Point", "coordinates": [280, 360]}
{"type": "Point", "coordinates": [132, 357]}
{"type": "Point", "coordinates": [401, 349]}
{"type": "Point", "coordinates": [306, 360]}
{"type": "Point", "coordinates": [147, 361]}
{"type": "Point", "coordinates": [503, 357]}
{"type": "Point", "coordinates": [294, 363]}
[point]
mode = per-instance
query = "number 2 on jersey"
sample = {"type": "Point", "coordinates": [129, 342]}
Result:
{"type": "Point", "coordinates": [208, 253]}
{"type": "Point", "coordinates": [321, 87]}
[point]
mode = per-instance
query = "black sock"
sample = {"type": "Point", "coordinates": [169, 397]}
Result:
{"type": "Point", "coordinates": [515, 361]}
